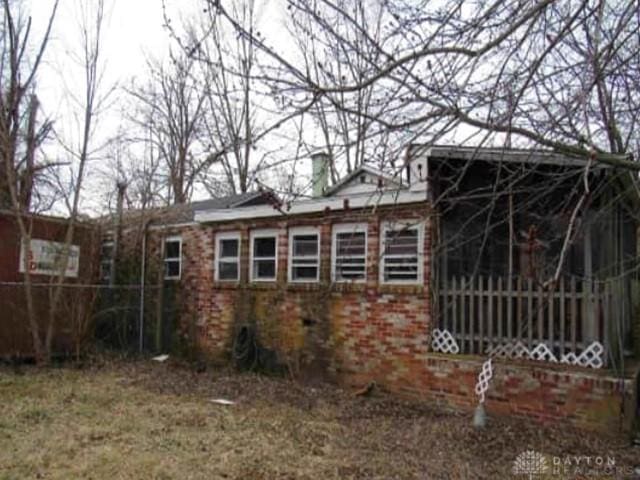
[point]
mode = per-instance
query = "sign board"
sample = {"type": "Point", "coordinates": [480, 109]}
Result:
{"type": "Point", "coordinates": [45, 258]}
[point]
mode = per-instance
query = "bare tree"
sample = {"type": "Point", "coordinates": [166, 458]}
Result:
{"type": "Point", "coordinates": [539, 72]}
{"type": "Point", "coordinates": [91, 102]}
{"type": "Point", "coordinates": [169, 114]}
{"type": "Point", "coordinates": [20, 132]}
{"type": "Point", "coordinates": [17, 147]}
{"type": "Point", "coordinates": [239, 108]}
{"type": "Point", "coordinates": [335, 53]}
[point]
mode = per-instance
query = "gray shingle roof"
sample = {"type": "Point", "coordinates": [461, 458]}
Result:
{"type": "Point", "coordinates": [185, 213]}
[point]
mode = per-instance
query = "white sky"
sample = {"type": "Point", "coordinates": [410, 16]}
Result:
{"type": "Point", "coordinates": [133, 31]}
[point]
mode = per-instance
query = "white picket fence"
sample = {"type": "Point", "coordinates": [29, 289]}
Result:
{"type": "Point", "coordinates": [482, 313]}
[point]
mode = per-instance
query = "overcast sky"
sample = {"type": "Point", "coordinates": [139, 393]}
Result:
{"type": "Point", "coordinates": [133, 31]}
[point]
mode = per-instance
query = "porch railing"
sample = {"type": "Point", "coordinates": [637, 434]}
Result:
{"type": "Point", "coordinates": [486, 312]}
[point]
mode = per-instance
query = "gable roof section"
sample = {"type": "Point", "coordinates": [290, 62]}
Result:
{"type": "Point", "coordinates": [352, 178]}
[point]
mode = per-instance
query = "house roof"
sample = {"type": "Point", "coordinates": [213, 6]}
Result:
{"type": "Point", "coordinates": [364, 168]}
{"type": "Point", "coordinates": [185, 213]}
{"type": "Point", "coordinates": [315, 205]}
{"type": "Point", "coordinates": [398, 193]}
{"type": "Point", "coordinates": [490, 154]}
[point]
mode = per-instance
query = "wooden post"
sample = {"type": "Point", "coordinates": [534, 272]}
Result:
{"type": "Point", "coordinates": [499, 306]}
{"type": "Point", "coordinates": [481, 315]}
{"type": "Point", "coordinates": [490, 297]}
{"type": "Point", "coordinates": [562, 319]}
{"type": "Point", "coordinates": [574, 313]}
{"type": "Point", "coordinates": [530, 313]}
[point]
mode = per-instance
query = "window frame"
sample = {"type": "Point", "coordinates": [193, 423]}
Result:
{"type": "Point", "coordinates": [106, 264]}
{"type": "Point", "coordinates": [235, 235]}
{"type": "Point", "coordinates": [174, 238]}
{"type": "Point", "coordinates": [348, 228]}
{"type": "Point", "coordinates": [397, 226]}
{"type": "Point", "coordinates": [295, 231]}
{"type": "Point", "coordinates": [263, 233]}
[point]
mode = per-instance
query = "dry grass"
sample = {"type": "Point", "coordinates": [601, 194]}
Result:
{"type": "Point", "coordinates": [146, 420]}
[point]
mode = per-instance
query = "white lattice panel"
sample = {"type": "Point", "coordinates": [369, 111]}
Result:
{"type": "Point", "coordinates": [592, 356]}
{"type": "Point", "coordinates": [569, 358]}
{"type": "Point", "coordinates": [510, 350]}
{"type": "Point", "coordinates": [542, 353]}
{"type": "Point", "coordinates": [485, 376]}
{"type": "Point", "coordinates": [442, 341]}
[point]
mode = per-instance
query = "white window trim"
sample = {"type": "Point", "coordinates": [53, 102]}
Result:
{"type": "Point", "coordinates": [265, 233]}
{"type": "Point", "coordinates": [108, 262]}
{"type": "Point", "coordinates": [348, 228]}
{"type": "Point", "coordinates": [172, 259]}
{"type": "Point", "coordinates": [303, 231]}
{"type": "Point", "coordinates": [227, 236]}
{"type": "Point", "coordinates": [399, 225]}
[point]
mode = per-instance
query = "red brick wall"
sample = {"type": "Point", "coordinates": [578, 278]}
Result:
{"type": "Point", "coordinates": [15, 334]}
{"type": "Point", "coordinates": [371, 332]}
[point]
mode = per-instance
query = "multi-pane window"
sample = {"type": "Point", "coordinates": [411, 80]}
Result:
{"type": "Point", "coordinates": [264, 255]}
{"type": "Point", "coordinates": [304, 254]}
{"type": "Point", "coordinates": [401, 247]}
{"type": "Point", "coordinates": [172, 258]}
{"type": "Point", "coordinates": [106, 261]}
{"type": "Point", "coordinates": [349, 253]}
{"type": "Point", "coordinates": [228, 256]}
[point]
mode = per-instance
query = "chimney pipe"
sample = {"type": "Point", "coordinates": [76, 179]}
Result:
{"type": "Point", "coordinates": [320, 173]}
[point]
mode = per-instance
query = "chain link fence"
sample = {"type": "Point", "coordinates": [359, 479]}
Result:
{"type": "Point", "coordinates": [125, 318]}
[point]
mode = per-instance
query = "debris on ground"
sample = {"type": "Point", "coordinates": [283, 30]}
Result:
{"type": "Point", "coordinates": [138, 419]}
{"type": "Point", "coordinates": [365, 391]}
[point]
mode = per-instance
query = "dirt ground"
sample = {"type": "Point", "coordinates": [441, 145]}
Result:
{"type": "Point", "coordinates": [142, 419]}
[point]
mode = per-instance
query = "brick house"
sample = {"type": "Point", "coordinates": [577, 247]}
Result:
{"type": "Point", "coordinates": [414, 280]}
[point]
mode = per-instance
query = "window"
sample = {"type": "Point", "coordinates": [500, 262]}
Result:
{"type": "Point", "coordinates": [349, 253]}
{"type": "Point", "coordinates": [228, 256]}
{"type": "Point", "coordinates": [401, 247]}
{"type": "Point", "coordinates": [172, 258]}
{"type": "Point", "coordinates": [304, 254]}
{"type": "Point", "coordinates": [264, 255]}
{"type": "Point", "coordinates": [106, 261]}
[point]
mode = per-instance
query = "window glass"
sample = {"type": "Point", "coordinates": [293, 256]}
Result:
{"type": "Point", "coordinates": [304, 261]}
{"type": "Point", "coordinates": [172, 258]}
{"type": "Point", "coordinates": [264, 247]}
{"type": "Point", "coordinates": [172, 249]}
{"type": "Point", "coordinates": [264, 257]}
{"type": "Point", "coordinates": [229, 247]}
{"type": "Point", "coordinates": [350, 255]}
{"type": "Point", "coordinates": [401, 259]}
{"type": "Point", "coordinates": [228, 271]}
{"type": "Point", "coordinates": [304, 245]}
{"type": "Point", "coordinates": [228, 255]}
